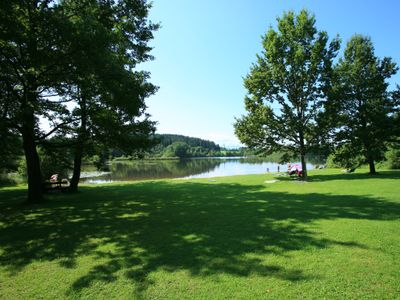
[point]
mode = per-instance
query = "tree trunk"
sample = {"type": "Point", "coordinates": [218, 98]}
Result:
{"type": "Point", "coordinates": [35, 191]}
{"type": "Point", "coordinates": [303, 166]}
{"type": "Point", "coordinates": [370, 158]}
{"type": "Point", "coordinates": [79, 147]}
{"type": "Point", "coordinates": [303, 157]}
{"type": "Point", "coordinates": [371, 166]}
{"type": "Point", "coordinates": [28, 122]}
{"type": "Point", "coordinates": [76, 175]}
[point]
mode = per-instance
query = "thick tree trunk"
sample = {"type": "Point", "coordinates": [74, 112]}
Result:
{"type": "Point", "coordinates": [303, 166]}
{"type": "Point", "coordinates": [35, 191]}
{"type": "Point", "coordinates": [28, 122]}
{"type": "Point", "coordinates": [371, 166]}
{"type": "Point", "coordinates": [79, 147]}
{"type": "Point", "coordinates": [303, 157]}
{"type": "Point", "coordinates": [76, 175]}
{"type": "Point", "coordinates": [370, 158]}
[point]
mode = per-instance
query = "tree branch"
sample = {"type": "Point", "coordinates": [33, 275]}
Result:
{"type": "Point", "coordinates": [55, 129]}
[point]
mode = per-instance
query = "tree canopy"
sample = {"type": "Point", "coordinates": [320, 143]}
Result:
{"type": "Point", "coordinates": [79, 52]}
{"type": "Point", "coordinates": [287, 87]}
{"type": "Point", "coordinates": [364, 109]}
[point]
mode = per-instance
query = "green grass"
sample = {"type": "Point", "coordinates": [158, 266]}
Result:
{"type": "Point", "coordinates": [335, 237]}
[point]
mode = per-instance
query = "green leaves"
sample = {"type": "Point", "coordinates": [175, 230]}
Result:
{"type": "Point", "coordinates": [296, 97]}
{"type": "Point", "coordinates": [361, 100]}
{"type": "Point", "coordinates": [79, 52]}
{"type": "Point", "coordinates": [287, 86]}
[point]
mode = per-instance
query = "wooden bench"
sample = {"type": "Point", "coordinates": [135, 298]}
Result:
{"type": "Point", "coordinates": [58, 185]}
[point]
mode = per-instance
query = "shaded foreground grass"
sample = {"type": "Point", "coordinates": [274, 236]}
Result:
{"type": "Point", "coordinates": [336, 236]}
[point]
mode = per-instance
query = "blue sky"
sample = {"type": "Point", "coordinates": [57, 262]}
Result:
{"type": "Point", "coordinates": [205, 48]}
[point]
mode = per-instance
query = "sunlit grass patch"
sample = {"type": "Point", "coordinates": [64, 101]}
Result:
{"type": "Point", "coordinates": [236, 237]}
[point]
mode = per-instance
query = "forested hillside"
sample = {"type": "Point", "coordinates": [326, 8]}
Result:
{"type": "Point", "coordinates": [173, 145]}
{"type": "Point", "coordinates": [168, 139]}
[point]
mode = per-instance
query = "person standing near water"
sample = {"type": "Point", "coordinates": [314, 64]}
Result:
{"type": "Point", "coordinates": [279, 168]}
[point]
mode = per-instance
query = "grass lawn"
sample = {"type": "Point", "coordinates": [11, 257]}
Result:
{"type": "Point", "coordinates": [336, 236]}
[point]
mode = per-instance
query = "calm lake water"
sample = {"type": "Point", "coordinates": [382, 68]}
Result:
{"type": "Point", "coordinates": [187, 168]}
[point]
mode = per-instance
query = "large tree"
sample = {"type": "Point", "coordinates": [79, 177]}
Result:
{"type": "Point", "coordinates": [42, 48]}
{"type": "Point", "coordinates": [33, 36]}
{"type": "Point", "coordinates": [364, 109]}
{"type": "Point", "coordinates": [110, 94]}
{"type": "Point", "coordinates": [286, 88]}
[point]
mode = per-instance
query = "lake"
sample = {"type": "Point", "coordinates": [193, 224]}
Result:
{"type": "Point", "coordinates": [185, 168]}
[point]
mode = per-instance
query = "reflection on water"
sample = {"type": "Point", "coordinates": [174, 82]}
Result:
{"type": "Point", "coordinates": [188, 168]}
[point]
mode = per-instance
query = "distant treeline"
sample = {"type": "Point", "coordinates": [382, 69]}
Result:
{"type": "Point", "coordinates": [169, 146]}
{"type": "Point", "coordinates": [168, 139]}
{"type": "Point", "coordinates": [179, 146]}
{"type": "Point", "coordinates": [174, 145]}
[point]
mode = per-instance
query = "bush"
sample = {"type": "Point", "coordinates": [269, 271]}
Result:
{"type": "Point", "coordinates": [54, 164]}
{"type": "Point", "coordinates": [6, 179]}
{"type": "Point", "coordinates": [50, 163]}
{"type": "Point", "coordinates": [177, 149]}
{"type": "Point", "coordinates": [345, 157]}
{"type": "Point", "coordinates": [393, 158]}
{"type": "Point", "coordinates": [330, 162]}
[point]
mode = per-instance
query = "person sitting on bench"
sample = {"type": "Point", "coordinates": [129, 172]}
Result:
{"type": "Point", "coordinates": [54, 178]}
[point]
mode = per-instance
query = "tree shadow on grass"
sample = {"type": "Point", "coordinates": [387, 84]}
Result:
{"type": "Point", "coordinates": [357, 176]}
{"type": "Point", "coordinates": [205, 229]}
{"type": "Point", "coordinates": [319, 175]}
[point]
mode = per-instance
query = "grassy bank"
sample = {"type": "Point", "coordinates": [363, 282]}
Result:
{"type": "Point", "coordinates": [244, 237]}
